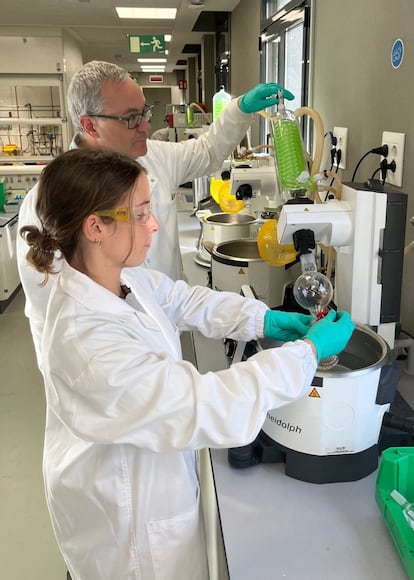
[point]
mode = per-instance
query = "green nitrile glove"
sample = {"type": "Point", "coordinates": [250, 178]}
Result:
{"type": "Point", "coordinates": [286, 326]}
{"type": "Point", "coordinates": [330, 335]}
{"type": "Point", "coordinates": [262, 96]}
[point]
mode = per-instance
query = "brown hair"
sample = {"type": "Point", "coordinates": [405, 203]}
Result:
{"type": "Point", "coordinates": [72, 187]}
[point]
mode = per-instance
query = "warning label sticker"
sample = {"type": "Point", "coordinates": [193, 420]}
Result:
{"type": "Point", "coordinates": [314, 393]}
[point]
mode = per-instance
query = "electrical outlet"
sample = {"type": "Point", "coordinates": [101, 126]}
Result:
{"type": "Point", "coordinates": [341, 134]}
{"type": "Point", "coordinates": [396, 144]}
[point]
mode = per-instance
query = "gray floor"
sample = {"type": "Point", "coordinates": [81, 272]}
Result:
{"type": "Point", "coordinates": [28, 550]}
{"type": "Point", "coordinates": [27, 547]}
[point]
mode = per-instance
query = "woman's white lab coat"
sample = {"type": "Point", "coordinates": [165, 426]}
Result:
{"type": "Point", "coordinates": [125, 414]}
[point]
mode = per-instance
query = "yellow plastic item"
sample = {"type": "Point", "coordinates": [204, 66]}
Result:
{"type": "Point", "coordinates": [269, 248]}
{"type": "Point", "coordinates": [215, 185]}
{"type": "Point", "coordinates": [228, 202]}
{"type": "Point", "coordinates": [10, 149]}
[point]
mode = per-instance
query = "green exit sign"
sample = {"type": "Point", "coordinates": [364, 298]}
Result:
{"type": "Point", "coordinates": [150, 44]}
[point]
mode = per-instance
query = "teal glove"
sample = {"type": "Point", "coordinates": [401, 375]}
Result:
{"type": "Point", "coordinates": [330, 335]}
{"type": "Point", "coordinates": [286, 326]}
{"type": "Point", "coordinates": [262, 96]}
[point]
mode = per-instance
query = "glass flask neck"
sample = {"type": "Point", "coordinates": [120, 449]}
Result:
{"type": "Point", "coordinates": [308, 263]}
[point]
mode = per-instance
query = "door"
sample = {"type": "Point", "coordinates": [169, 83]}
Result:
{"type": "Point", "coordinates": [160, 97]}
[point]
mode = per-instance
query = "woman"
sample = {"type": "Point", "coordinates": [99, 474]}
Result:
{"type": "Point", "coordinates": [125, 413]}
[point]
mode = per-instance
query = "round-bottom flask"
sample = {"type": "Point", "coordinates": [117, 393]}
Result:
{"type": "Point", "coordinates": [313, 291]}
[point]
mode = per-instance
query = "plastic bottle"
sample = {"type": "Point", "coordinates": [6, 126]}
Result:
{"type": "Point", "coordinates": [189, 115]}
{"type": "Point", "coordinates": [220, 101]}
{"type": "Point", "coordinates": [292, 171]}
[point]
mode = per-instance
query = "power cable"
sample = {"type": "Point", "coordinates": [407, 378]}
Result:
{"type": "Point", "coordinates": [383, 150]}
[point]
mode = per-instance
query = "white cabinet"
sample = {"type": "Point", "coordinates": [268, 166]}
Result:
{"type": "Point", "coordinates": [9, 276]}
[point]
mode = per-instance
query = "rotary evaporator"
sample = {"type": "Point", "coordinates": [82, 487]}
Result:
{"type": "Point", "coordinates": [332, 434]}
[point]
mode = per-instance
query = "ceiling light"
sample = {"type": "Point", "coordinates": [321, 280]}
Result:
{"type": "Point", "coordinates": [146, 13]}
{"type": "Point", "coordinates": [167, 37]}
{"type": "Point", "coordinates": [196, 3]}
{"type": "Point", "coordinates": [151, 60]}
{"type": "Point", "coordinates": [152, 68]}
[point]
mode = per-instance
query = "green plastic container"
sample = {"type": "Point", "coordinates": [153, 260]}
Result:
{"type": "Point", "coordinates": [2, 196]}
{"type": "Point", "coordinates": [396, 471]}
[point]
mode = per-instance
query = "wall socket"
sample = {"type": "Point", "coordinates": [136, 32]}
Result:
{"type": "Point", "coordinates": [396, 144]}
{"type": "Point", "coordinates": [341, 134]}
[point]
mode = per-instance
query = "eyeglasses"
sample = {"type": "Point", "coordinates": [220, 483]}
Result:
{"type": "Point", "coordinates": [123, 214]}
{"type": "Point", "coordinates": [134, 120]}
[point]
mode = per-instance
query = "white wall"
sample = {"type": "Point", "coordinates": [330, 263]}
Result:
{"type": "Point", "coordinates": [72, 61]}
{"type": "Point", "coordinates": [41, 52]}
{"type": "Point", "coordinates": [245, 57]}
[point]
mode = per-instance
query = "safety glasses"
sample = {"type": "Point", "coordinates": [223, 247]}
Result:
{"type": "Point", "coordinates": [123, 214]}
{"type": "Point", "coordinates": [133, 121]}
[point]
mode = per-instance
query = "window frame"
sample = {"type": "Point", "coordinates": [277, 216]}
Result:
{"type": "Point", "coordinates": [279, 24]}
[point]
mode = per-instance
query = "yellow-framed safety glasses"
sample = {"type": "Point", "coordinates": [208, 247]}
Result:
{"type": "Point", "coordinates": [140, 214]}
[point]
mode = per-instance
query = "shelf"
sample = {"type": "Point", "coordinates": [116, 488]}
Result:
{"type": "Point", "coordinates": [21, 169]}
{"type": "Point", "coordinates": [32, 121]}
{"type": "Point", "coordinates": [21, 159]}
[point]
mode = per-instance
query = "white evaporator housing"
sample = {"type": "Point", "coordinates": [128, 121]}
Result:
{"type": "Point", "coordinates": [332, 433]}
{"type": "Point", "coordinates": [255, 183]}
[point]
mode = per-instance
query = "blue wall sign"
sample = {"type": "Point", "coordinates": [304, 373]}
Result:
{"type": "Point", "coordinates": [397, 53]}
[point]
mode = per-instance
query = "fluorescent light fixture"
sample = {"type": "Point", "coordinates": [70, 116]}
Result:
{"type": "Point", "coordinates": [151, 60]}
{"type": "Point", "coordinates": [153, 68]}
{"type": "Point", "coordinates": [146, 13]}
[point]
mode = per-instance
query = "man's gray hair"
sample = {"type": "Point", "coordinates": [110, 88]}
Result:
{"type": "Point", "coordinates": [84, 93]}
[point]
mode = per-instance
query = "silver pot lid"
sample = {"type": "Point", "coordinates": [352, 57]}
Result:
{"type": "Point", "coordinates": [230, 219]}
{"type": "Point", "coordinates": [242, 250]}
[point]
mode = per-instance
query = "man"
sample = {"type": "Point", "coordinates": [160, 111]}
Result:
{"type": "Point", "coordinates": [108, 110]}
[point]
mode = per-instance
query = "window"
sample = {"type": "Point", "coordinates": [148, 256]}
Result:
{"type": "Point", "coordinates": [285, 52]}
{"type": "Point", "coordinates": [272, 6]}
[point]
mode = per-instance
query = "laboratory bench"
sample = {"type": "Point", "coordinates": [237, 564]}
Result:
{"type": "Point", "coordinates": [263, 524]}
{"type": "Point", "coordinates": [275, 527]}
